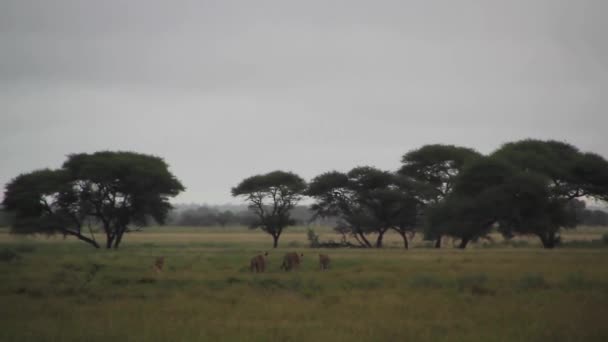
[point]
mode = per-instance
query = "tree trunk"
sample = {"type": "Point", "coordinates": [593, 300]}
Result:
{"type": "Point", "coordinates": [463, 243]}
{"type": "Point", "coordinates": [275, 241]}
{"type": "Point", "coordinates": [406, 244]}
{"type": "Point", "coordinates": [438, 242]}
{"type": "Point", "coordinates": [363, 238]}
{"type": "Point", "coordinates": [82, 238]}
{"type": "Point", "coordinates": [548, 240]}
{"type": "Point", "coordinates": [109, 241]}
{"type": "Point", "coordinates": [118, 238]}
{"type": "Point", "coordinates": [379, 240]}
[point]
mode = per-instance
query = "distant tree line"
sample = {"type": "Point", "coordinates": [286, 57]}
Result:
{"type": "Point", "coordinates": [227, 216]}
{"type": "Point", "coordinates": [590, 217]}
{"type": "Point", "coordinates": [528, 187]}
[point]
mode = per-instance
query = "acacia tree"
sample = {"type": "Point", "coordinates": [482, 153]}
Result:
{"type": "Point", "coordinates": [436, 166]}
{"type": "Point", "coordinates": [491, 192]}
{"type": "Point", "coordinates": [271, 198]}
{"type": "Point", "coordinates": [568, 174]}
{"type": "Point", "coordinates": [367, 200]}
{"type": "Point", "coordinates": [336, 198]}
{"type": "Point", "coordinates": [410, 198]}
{"type": "Point", "coordinates": [44, 201]}
{"type": "Point", "coordinates": [120, 191]}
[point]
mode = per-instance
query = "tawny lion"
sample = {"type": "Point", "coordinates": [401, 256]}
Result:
{"type": "Point", "coordinates": [258, 263]}
{"type": "Point", "coordinates": [292, 261]}
{"type": "Point", "coordinates": [159, 264]}
{"type": "Point", "coordinates": [324, 261]}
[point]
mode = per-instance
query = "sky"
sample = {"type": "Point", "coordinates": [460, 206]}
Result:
{"type": "Point", "coordinates": [226, 89]}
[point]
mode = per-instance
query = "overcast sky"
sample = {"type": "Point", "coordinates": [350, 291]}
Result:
{"type": "Point", "coordinates": [226, 89]}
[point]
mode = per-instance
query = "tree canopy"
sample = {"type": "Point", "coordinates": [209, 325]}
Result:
{"type": "Point", "coordinates": [120, 191]}
{"type": "Point", "coordinates": [368, 200]}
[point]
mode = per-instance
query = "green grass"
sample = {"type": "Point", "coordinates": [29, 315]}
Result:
{"type": "Point", "coordinates": [60, 290]}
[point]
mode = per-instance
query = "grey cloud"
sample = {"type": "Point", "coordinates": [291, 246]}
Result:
{"type": "Point", "coordinates": [223, 89]}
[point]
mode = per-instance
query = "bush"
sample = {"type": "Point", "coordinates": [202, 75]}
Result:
{"type": "Point", "coordinates": [470, 280]}
{"type": "Point", "coordinates": [425, 281]}
{"type": "Point", "coordinates": [8, 255]}
{"type": "Point", "coordinates": [475, 284]}
{"type": "Point", "coordinates": [293, 244]}
{"type": "Point", "coordinates": [146, 280]}
{"type": "Point", "coordinates": [313, 238]}
{"type": "Point", "coordinates": [605, 238]}
{"type": "Point", "coordinates": [532, 281]}
{"type": "Point", "coordinates": [576, 281]}
{"type": "Point", "coordinates": [25, 248]}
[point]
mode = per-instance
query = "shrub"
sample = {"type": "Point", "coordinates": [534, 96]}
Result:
{"type": "Point", "coordinates": [605, 238]}
{"type": "Point", "coordinates": [146, 280]}
{"type": "Point", "coordinates": [576, 281]}
{"type": "Point", "coordinates": [8, 255]}
{"type": "Point", "coordinates": [532, 281]}
{"type": "Point", "coordinates": [25, 248]}
{"type": "Point", "coordinates": [475, 284]}
{"type": "Point", "coordinates": [234, 280]}
{"type": "Point", "coordinates": [293, 244]}
{"type": "Point", "coordinates": [313, 238]}
{"type": "Point", "coordinates": [471, 280]}
{"type": "Point", "coordinates": [425, 281]}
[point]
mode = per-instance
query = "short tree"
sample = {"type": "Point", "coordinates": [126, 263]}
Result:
{"type": "Point", "coordinates": [120, 191]}
{"type": "Point", "coordinates": [271, 198]}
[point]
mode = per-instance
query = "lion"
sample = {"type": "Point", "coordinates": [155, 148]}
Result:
{"type": "Point", "coordinates": [324, 261]}
{"type": "Point", "coordinates": [292, 261]}
{"type": "Point", "coordinates": [258, 263]}
{"type": "Point", "coordinates": [159, 264]}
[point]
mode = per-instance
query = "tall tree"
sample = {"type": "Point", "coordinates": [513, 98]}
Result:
{"type": "Point", "coordinates": [568, 173]}
{"type": "Point", "coordinates": [437, 166]}
{"type": "Point", "coordinates": [271, 198]}
{"type": "Point", "coordinates": [121, 191]}
{"type": "Point", "coordinates": [489, 193]}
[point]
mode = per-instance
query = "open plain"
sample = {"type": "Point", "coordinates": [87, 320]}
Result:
{"type": "Point", "coordinates": [53, 289]}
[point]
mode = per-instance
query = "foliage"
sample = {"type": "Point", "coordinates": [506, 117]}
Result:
{"type": "Point", "coordinates": [312, 237]}
{"type": "Point", "coordinates": [271, 198]}
{"type": "Point", "coordinates": [532, 281]}
{"type": "Point", "coordinates": [368, 200]}
{"type": "Point", "coordinates": [8, 255]}
{"type": "Point", "coordinates": [568, 174]}
{"type": "Point", "coordinates": [437, 166]}
{"type": "Point", "coordinates": [117, 190]}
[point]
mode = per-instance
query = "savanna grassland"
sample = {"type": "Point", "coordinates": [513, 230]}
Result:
{"type": "Point", "coordinates": [63, 290]}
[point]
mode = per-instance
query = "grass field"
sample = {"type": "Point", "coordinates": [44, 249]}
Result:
{"type": "Point", "coordinates": [63, 290]}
